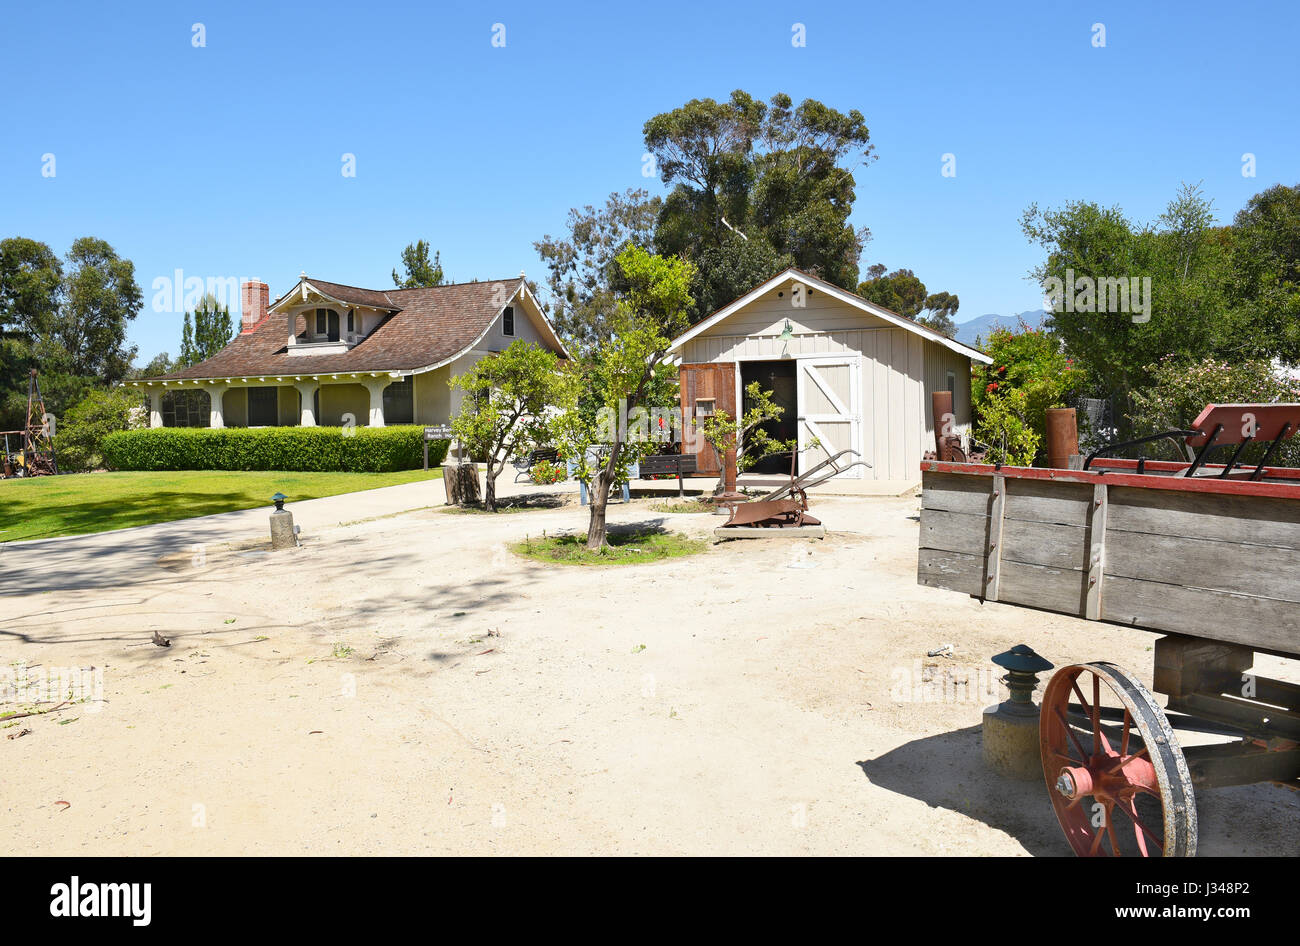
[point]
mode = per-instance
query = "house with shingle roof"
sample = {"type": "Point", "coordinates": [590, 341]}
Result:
{"type": "Point", "coordinates": [330, 354]}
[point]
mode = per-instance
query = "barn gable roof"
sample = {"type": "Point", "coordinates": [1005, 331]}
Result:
{"type": "Point", "coordinates": [843, 295]}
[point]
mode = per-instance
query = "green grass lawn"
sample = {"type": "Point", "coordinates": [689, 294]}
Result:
{"type": "Point", "coordinates": [46, 506]}
{"type": "Point", "coordinates": [626, 548]}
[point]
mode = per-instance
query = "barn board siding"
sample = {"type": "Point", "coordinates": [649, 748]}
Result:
{"type": "Point", "coordinates": [898, 370]}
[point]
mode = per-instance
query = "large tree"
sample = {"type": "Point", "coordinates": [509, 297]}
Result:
{"type": "Point", "coordinates": [1265, 249]}
{"type": "Point", "coordinates": [903, 292]}
{"type": "Point", "coordinates": [417, 270]}
{"type": "Point", "coordinates": [1188, 310]}
{"type": "Point", "coordinates": [581, 275]}
{"type": "Point", "coordinates": [31, 279]}
{"type": "Point", "coordinates": [757, 187]}
{"type": "Point", "coordinates": [66, 319]}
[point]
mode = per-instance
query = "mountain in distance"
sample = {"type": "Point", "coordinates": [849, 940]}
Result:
{"type": "Point", "coordinates": [981, 325]}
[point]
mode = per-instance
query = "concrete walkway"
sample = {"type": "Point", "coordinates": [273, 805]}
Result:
{"type": "Point", "coordinates": [104, 559]}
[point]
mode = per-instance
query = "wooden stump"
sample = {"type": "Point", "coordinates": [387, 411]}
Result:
{"type": "Point", "coordinates": [461, 483]}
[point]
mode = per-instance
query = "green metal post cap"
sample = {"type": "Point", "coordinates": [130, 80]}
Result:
{"type": "Point", "coordinates": [1022, 666]}
{"type": "Point", "coordinates": [1022, 659]}
{"type": "Point", "coordinates": [279, 499]}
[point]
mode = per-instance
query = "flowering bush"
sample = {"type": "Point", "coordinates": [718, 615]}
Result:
{"type": "Point", "coordinates": [1180, 389]}
{"type": "Point", "coordinates": [545, 472]}
{"type": "Point", "coordinates": [1010, 398]}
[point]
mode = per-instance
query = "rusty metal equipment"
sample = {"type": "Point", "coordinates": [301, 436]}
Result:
{"type": "Point", "coordinates": [787, 506]}
{"type": "Point", "coordinates": [1062, 437]}
{"type": "Point", "coordinates": [35, 456]}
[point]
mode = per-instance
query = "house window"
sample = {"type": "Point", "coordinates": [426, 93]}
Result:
{"type": "Point", "coordinates": [351, 321]}
{"type": "Point", "coordinates": [327, 325]}
{"type": "Point", "coordinates": [950, 378]}
{"type": "Point", "coordinates": [705, 407]}
{"type": "Point", "coordinates": [182, 408]}
{"type": "Point", "coordinates": [508, 321]}
{"type": "Point", "coordinates": [399, 402]}
{"type": "Point", "coordinates": [263, 407]}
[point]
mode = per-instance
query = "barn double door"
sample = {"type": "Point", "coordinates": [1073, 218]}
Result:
{"type": "Point", "coordinates": [830, 409]}
{"type": "Point", "coordinates": [827, 393]}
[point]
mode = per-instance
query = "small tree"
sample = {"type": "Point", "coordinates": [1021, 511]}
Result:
{"type": "Point", "coordinates": [510, 397]}
{"type": "Point", "coordinates": [745, 435]}
{"type": "Point", "coordinates": [624, 372]}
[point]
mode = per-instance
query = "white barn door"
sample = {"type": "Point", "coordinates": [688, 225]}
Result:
{"type": "Point", "coordinates": [830, 412]}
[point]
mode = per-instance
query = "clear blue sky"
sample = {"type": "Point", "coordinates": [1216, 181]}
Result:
{"type": "Point", "coordinates": [225, 160]}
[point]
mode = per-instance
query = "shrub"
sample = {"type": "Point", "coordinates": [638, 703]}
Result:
{"type": "Point", "coordinates": [544, 471]}
{"type": "Point", "coordinates": [78, 440]}
{"type": "Point", "coordinates": [1010, 398]}
{"type": "Point", "coordinates": [1180, 389]}
{"type": "Point", "coordinates": [300, 449]}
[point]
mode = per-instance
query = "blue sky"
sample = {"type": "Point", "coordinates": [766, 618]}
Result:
{"type": "Point", "coordinates": [226, 160]}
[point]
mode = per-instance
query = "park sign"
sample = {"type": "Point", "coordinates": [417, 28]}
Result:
{"type": "Point", "coordinates": [439, 432]}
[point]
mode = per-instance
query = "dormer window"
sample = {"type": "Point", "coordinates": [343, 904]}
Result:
{"type": "Point", "coordinates": [508, 321]}
{"type": "Point", "coordinates": [351, 321]}
{"type": "Point", "coordinates": [327, 325]}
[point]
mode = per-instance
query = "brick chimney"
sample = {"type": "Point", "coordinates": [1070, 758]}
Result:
{"type": "Point", "coordinates": [255, 298]}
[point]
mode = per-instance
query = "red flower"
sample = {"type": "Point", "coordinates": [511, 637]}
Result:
{"type": "Point", "coordinates": [992, 387]}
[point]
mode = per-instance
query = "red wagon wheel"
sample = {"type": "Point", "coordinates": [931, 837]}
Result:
{"type": "Point", "coordinates": [1114, 770]}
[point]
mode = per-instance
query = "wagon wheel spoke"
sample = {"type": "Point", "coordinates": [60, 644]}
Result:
{"type": "Point", "coordinates": [1096, 841]}
{"type": "Point", "coordinates": [1125, 760]}
{"type": "Point", "coordinates": [1096, 715]}
{"type": "Point", "coordinates": [1110, 832]}
{"type": "Point", "coordinates": [1141, 829]}
{"type": "Point", "coordinates": [1070, 732]}
{"type": "Point", "coordinates": [1123, 744]}
{"type": "Point", "coordinates": [1074, 685]}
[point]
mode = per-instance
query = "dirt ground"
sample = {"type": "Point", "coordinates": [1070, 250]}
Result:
{"type": "Point", "coordinates": [407, 685]}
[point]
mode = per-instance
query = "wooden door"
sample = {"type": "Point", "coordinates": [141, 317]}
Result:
{"type": "Point", "coordinates": [829, 413]}
{"type": "Point", "coordinates": [706, 388]}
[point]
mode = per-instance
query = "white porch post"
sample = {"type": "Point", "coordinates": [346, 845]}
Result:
{"type": "Point", "coordinates": [376, 388]}
{"type": "Point", "coordinates": [307, 391]}
{"type": "Point", "coordinates": [217, 417]}
{"type": "Point", "coordinates": [155, 408]}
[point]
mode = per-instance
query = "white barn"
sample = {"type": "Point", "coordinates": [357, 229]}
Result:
{"type": "Point", "coordinates": [851, 373]}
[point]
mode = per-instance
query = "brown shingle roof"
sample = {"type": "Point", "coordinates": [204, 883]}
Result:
{"type": "Point", "coordinates": [431, 325]}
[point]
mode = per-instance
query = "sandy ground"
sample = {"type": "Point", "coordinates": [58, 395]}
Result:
{"type": "Point", "coordinates": [406, 685]}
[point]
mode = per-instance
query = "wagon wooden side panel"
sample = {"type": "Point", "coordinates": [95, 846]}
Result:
{"type": "Point", "coordinates": [1190, 561]}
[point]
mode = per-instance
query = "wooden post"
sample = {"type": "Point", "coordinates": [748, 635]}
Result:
{"type": "Point", "coordinates": [993, 554]}
{"type": "Point", "coordinates": [1096, 551]}
{"type": "Point", "coordinates": [461, 482]}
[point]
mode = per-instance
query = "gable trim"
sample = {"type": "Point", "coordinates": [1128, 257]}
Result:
{"type": "Point", "coordinates": [835, 292]}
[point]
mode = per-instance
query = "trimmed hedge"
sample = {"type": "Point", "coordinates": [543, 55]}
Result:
{"type": "Point", "coordinates": [300, 449]}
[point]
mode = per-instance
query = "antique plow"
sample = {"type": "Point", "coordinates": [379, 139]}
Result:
{"type": "Point", "coordinates": [787, 506]}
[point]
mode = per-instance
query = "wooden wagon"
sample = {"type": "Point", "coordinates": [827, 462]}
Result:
{"type": "Point", "coordinates": [1208, 553]}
